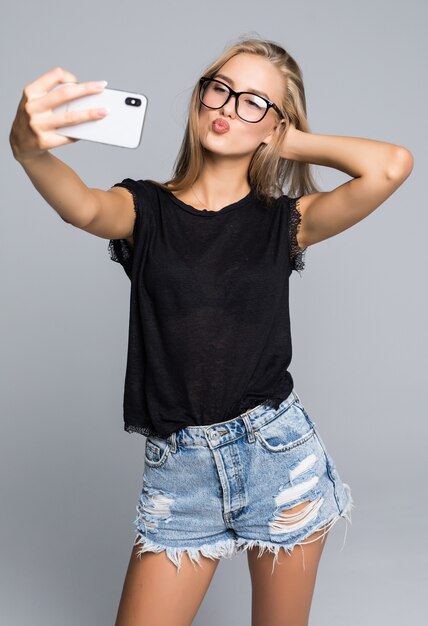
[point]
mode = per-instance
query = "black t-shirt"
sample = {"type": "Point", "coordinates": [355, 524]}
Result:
{"type": "Point", "coordinates": [209, 322]}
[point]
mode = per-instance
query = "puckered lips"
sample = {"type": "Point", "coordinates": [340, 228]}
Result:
{"type": "Point", "coordinates": [220, 125]}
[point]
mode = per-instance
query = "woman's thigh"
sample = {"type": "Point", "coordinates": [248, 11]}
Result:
{"type": "Point", "coordinates": [156, 593]}
{"type": "Point", "coordinates": [284, 597]}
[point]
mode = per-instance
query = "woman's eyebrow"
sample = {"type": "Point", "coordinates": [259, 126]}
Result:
{"type": "Point", "coordinates": [229, 80]}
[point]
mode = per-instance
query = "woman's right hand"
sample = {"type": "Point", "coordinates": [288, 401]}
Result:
{"type": "Point", "coordinates": [33, 129]}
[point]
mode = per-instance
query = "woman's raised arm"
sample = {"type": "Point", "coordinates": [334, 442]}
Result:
{"type": "Point", "coordinates": [108, 214]}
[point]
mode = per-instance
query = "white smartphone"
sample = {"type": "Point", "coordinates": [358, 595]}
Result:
{"type": "Point", "coordinates": [122, 127]}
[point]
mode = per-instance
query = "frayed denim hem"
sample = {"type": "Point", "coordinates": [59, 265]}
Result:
{"type": "Point", "coordinates": [225, 548]}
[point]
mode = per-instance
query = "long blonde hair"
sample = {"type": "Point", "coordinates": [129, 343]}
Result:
{"type": "Point", "coordinates": [268, 171]}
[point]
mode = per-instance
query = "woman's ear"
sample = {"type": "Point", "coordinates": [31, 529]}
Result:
{"type": "Point", "coordinates": [276, 129]}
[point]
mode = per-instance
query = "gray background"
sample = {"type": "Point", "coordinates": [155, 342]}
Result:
{"type": "Point", "coordinates": [70, 475]}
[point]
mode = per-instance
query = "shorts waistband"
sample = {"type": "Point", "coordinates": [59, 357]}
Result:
{"type": "Point", "coordinates": [214, 435]}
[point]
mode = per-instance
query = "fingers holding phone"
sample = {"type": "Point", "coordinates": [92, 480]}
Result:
{"type": "Point", "coordinates": [35, 123]}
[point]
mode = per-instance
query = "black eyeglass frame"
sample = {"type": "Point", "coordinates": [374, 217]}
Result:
{"type": "Point", "coordinates": [269, 103]}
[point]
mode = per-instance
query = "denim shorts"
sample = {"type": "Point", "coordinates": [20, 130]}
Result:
{"type": "Point", "coordinates": [223, 488]}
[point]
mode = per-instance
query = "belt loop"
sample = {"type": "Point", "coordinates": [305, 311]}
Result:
{"type": "Point", "coordinates": [172, 440]}
{"type": "Point", "coordinates": [249, 429]}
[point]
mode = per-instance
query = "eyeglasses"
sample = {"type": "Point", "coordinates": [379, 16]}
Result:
{"type": "Point", "coordinates": [251, 108]}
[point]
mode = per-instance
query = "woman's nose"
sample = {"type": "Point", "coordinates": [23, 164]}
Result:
{"type": "Point", "coordinates": [229, 107]}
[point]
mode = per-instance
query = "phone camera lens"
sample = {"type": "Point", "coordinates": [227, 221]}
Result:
{"type": "Point", "coordinates": [135, 102]}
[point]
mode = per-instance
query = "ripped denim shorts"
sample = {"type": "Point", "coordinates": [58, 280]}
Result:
{"type": "Point", "coordinates": [221, 489]}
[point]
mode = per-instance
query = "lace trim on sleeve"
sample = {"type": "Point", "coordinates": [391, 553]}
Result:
{"type": "Point", "coordinates": [297, 256]}
{"type": "Point", "coordinates": [119, 249]}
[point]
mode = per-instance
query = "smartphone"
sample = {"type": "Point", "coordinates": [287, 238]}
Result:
{"type": "Point", "coordinates": [122, 127]}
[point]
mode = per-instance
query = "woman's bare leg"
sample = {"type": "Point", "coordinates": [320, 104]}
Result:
{"type": "Point", "coordinates": [156, 594]}
{"type": "Point", "coordinates": [284, 598]}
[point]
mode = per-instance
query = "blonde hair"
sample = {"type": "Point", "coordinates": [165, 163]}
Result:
{"type": "Point", "coordinates": [267, 171]}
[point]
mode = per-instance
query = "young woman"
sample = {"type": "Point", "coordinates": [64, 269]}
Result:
{"type": "Point", "coordinates": [233, 461]}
